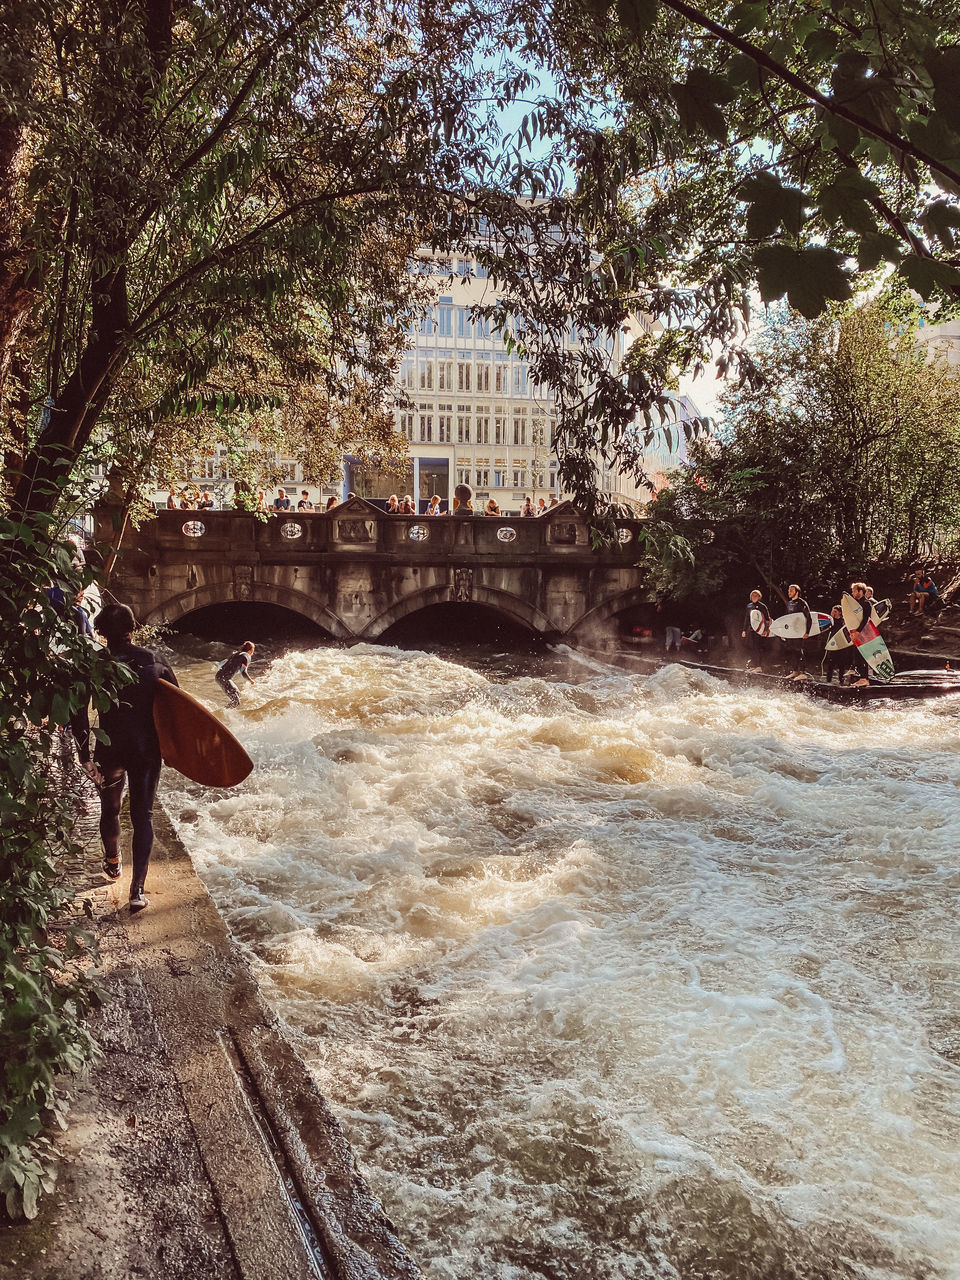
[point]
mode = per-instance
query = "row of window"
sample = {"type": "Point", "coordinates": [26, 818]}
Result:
{"type": "Point", "coordinates": [506, 478]}
{"type": "Point", "coordinates": [445, 320]}
{"type": "Point", "coordinates": [483, 377]}
{"type": "Point", "coordinates": [426, 426]}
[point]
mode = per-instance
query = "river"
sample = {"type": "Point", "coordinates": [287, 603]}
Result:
{"type": "Point", "coordinates": [605, 975]}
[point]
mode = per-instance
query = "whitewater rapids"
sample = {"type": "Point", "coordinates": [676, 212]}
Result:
{"type": "Point", "coordinates": [607, 976]}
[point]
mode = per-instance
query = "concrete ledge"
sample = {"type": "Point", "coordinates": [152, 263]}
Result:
{"type": "Point", "coordinates": [199, 1145]}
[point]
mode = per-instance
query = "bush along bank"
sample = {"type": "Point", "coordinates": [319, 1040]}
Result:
{"type": "Point", "coordinates": [47, 984]}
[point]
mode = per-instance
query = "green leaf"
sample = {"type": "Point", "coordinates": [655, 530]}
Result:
{"type": "Point", "coordinates": [944, 68]}
{"type": "Point", "coordinates": [637, 16]}
{"type": "Point", "coordinates": [926, 275]}
{"type": "Point", "coordinates": [941, 219]}
{"type": "Point", "coordinates": [810, 278]}
{"type": "Point", "coordinates": [771, 205]}
{"type": "Point", "coordinates": [821, 45]}
{"type": "Point", "coordinates": [747, 17]}
{"type": "Point", "coordinates": [845, 200]}
{"type": "Point", "coordinates": [875, 248]}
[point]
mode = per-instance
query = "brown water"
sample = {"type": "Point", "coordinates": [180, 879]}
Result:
{"type": "Point", "coordinates": [608, 976]}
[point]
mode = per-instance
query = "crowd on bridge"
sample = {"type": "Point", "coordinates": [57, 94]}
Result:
{"type": "Point", "coordinates": [243, 500]}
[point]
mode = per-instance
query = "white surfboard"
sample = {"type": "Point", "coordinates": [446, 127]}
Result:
{"type": "Point", "coordinates": [840, 641]}
{"type": "Point", "coordinates": [757, 621]}
{"type": "Point", "coordinates": [880, 610]}
{"type": "Point", "coordinates": [792, 626]}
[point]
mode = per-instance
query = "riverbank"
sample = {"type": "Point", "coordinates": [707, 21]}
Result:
{"type": "Point", "coordinates": [199, 1145]}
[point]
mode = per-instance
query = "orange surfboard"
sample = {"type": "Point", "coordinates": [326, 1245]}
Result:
{"type": "Point", "coordinates": [194, 742]}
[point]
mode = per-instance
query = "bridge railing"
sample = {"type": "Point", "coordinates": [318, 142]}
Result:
{"type": "Point", "coordinates": [359, 528]}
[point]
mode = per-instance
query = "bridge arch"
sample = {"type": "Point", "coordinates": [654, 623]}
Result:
{"type": "Point", "coordinates": [176, 607]}
{"type": "Point", "coordinates": [512, 607]}
{"type": "Point", "coordinates": [597, 618]}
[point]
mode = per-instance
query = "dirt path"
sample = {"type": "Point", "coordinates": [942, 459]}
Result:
{"type": "Point", "coordinates": [199, 1146]}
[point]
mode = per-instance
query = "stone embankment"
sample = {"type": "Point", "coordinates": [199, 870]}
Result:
{"type": "Point", "coordinates": [199, 1146]}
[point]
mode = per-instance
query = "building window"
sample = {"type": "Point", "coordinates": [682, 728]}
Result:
{"type": "Point", "coordinates": [444, 423]}
{"type": "Point", "coordinates": [500, 478]}
{"type": "Point", "coordinates": [464, 375]}
{"type": "Point", "coordinates": [539, 433]}
{"type": "Point", "coordinates": [501, 381]}
{"type": "Point", "coordinates": [463, 428]}
{"type": "Point", "coordinates": [463, 266]}
{"type": "Point", "coordinates": [463, 475]}
{"type": "Point", "coordinates": [520, 379]}
{"type": "Point", "coordinates": [519, 427]}
{"type": "Point", "coordinates": [426, 375]}
{"type": "Point", "coordinates": [464, 327]}
{"type": "Point", "coordinates": [408, 377]}
{"type": "Point", "coordinates": [482, 326]}
{"type": "Point", "coordinates": [445, 322]}
{"type": "Point", "coordinates": [406, 425]}
{"type": "Point", "coordinates": [500, 426]}
{"type": "Point", "coordinates": [483, 478]}
{"type": "Point", "coordinates": [519, 477]}
{"type": "Point", "coordinates": [483, 429]}
{"type": "Point", "coordinates": [426, 324]}
{"type": "Point", "coordinates": [444, 375]}
{"type": "Point", "coordinates": [483, 375]}
{"type": "Point", "coordinates": [426, 426]}
{"type": "Point", "coordinates": [536, 479]}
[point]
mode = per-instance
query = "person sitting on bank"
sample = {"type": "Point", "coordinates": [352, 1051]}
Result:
{"type": "Point", "coordinates": [132, 753]}
{"type": "Point", "coordinates": [923, 590]}
{"type": "Point", "coordinates": [206, 502]}
{"type": "Point", "coordinates": [393, 505]}
{"type": "Point", "coordinates": [528, 509]}
{"type": "Point", "coordinates": [173, 502]}
{"type": "Point", "coordinates": [463, 500]}
{"type": "Point", "coordinates": [235, 665]}
{"type": "Point", "coordinates": [409, 507]}
{"type": "Point", "coordinates": [492, 507]}
{"type": "Point", "coordinates": [304, 504]}
{"type": "Point", "coordinates": [281, 502]}
{"type": "Point", "coordinates": [433, 506]}
{"type": "Point", "coordinates": [187, 503]}
{"type": "Point", "coordinates": [757, 641]}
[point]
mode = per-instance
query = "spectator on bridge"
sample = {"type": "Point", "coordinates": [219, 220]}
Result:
{"type": "Point", "coordinates": [528, 509]}
{"type": "Point", "coordinates": [493, 508]}
{"type": "Point", "coordinates": [433, 506]}
{"type": "Point", "coordinates": [261, 501]}
{"type": "Point", "coordinates": [463, 500]}
{"type": "Point", "coordinates": [304, 504]}
{"type": "Point", "coordinates": [172, 500]}
{"type": "Point", "coordinates": [393, 505]}
{"type": "Point", "coordinates": [409, 506]}
{"type": "Point", "coordinates": [541, 506]}
{"type": "Point", "coordinates": [554, 502]}
{"type": "Point", "coordinates": [187, 503]}
{"type": "Point", "coordinates": [332, 501]}
{"type": "Point", "coordinates": [206, 502]}
{"type": "Point", "coordinates": [281, 502]}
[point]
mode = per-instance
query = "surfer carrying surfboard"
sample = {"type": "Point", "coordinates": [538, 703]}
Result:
{"type": "Point", "coordinates": [756, 626]}
{"type": "Point", "coordinates": [797, 604]}
{"type": "Point", "coordinates": [235, 665]}
{"type": "Point", "coordinates": [132, 754]}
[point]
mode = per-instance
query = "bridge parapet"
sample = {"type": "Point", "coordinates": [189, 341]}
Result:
{"type": "Point", "coordinates": [355, 570]}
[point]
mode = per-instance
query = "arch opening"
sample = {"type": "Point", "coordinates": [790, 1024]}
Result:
{"type": "Point", "coordinates": [234, 622]}
{"type": "Point", "coordinates": [463, 624]}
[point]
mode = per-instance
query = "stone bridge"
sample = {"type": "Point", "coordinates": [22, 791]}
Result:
{"type": "Point", "coordinates": [355, 571]}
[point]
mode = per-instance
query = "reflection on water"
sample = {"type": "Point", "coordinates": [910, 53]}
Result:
{"type": "Point", "coordinates": [605, 975]}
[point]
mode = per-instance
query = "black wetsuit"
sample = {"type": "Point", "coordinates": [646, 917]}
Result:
{"type": "Point", "coordinates": [234, 665]}
{"type": "Point", "coordinates": [756, 642]}
{"type": "Point", "coordinates": [835, 660]}
{"type": "Point", "coordinates": [797, 645]}
{"type": "Point", "coordinates": [132, 754]}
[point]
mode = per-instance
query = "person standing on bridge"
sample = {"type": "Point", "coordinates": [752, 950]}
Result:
{"type": "Point", "coordinates": [235, 665]}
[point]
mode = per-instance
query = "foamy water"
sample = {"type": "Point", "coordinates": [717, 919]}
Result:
{"type": "Point", "coordinates": [609, 976]}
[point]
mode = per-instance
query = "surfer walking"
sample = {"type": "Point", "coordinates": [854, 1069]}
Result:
{"type": "Point", "coordinates": [132, 754]}
{"type": "Point", "coordinates": [235, 665]}
{"type": "Point", "coordinates": [797, 604]}
{"type": "Point", "coordinates": [754, 632]}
